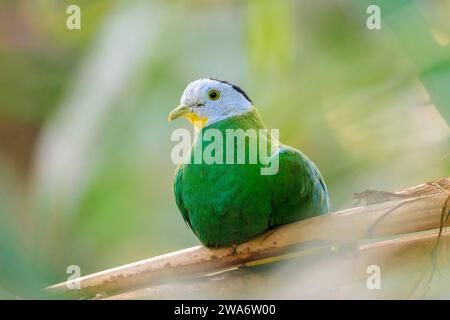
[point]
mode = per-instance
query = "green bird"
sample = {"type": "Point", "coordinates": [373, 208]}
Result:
{"type": "Point", "coordinates": [226, 203]}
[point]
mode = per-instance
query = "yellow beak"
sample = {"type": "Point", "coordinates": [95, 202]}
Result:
{"type": "Point", "coordinates": [179, 111]}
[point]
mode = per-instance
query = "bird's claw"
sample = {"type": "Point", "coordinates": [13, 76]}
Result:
{"type": "Point", "coordinates": [234, 249]}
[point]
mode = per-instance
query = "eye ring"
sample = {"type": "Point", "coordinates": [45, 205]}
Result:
{"type": "Point", "coordinates": [213, 94]}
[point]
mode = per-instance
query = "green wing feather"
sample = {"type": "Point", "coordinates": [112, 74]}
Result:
{"type": "Point", "coordinates": [298, 189]}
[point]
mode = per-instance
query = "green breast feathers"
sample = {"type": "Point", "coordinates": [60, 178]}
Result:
{"type": "Point", "coordinates": [227, 203]}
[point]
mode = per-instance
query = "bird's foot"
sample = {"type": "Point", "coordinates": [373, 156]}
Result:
{"type": "Point", "coordinates": [234, 249]}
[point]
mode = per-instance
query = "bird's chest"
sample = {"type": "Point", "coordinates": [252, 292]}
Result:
{"type": "Point", "coordinates": [219, 187]}
{"type": "Point", "coordinates": [226, 203]}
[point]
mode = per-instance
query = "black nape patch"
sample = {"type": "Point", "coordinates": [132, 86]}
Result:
{"type": "Point", "coordinates": [235, 87]}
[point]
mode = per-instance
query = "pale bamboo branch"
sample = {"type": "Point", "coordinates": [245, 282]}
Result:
{"type": "Point", "coordinates": [417, 209]}
{"type": "Point", "coordinates": [406, 254]}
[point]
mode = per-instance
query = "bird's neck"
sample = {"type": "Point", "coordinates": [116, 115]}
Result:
{"type": "Point", "coordinates": [233, 132]}
{"type": "Point", "coordinates": [248, 120]}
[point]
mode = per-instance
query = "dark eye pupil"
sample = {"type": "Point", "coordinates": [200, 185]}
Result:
{"type": "Point", "coordinates": [213, 95]}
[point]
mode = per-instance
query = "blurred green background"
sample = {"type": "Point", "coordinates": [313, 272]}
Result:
{"type": "Point", "coordinates": [85, 169]}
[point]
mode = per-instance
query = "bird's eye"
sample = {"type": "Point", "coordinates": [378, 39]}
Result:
{"type": "Point", "coordinates": [213, 94]}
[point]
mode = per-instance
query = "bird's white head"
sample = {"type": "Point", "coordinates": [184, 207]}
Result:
{"type": "Point", "coordinates": [206, 101]}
